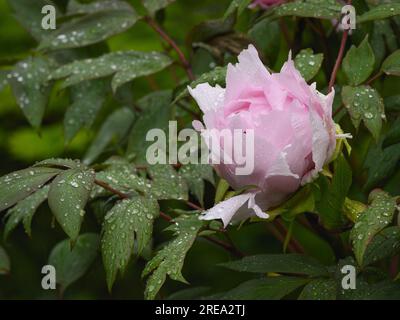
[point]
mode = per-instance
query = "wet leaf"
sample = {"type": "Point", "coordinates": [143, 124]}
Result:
{"type": "Point", "coordinates": [24, 210]}
{"type": "Point", "coordinates": [75, 7]}
{"type": "Point", "coordinates": [87, 99]}
{"type": "Point", "coordinates": [122, 176]}
{"type": "Point", "coordinates": [271, 288]}
{"type": "Point", "coordinates": [307, 9]}
{"type": "Point", "coordinates": [308, 63]}
{"type": "Point", "coordinates": [30, 86]}
{"type": "Point", "coordinates": [114, 128]}
{"type": "Point", "coordinates": [68, 195]}
{"type": "Point", "coordinates": [125, 66]}
{"type": "Point", "coordinates": [278, 263]}
{"type": "Point", "coordinates": [72, 263]}
{"type": "Point", "coordinates": [156, 112]}
{"type": "Point", "coordinates": [376, 217]}
{"type": "Point", "coordinates": [381, 11]}
{"type": "Point", "coordinates": [319, 289]}
{"type": "Point", "coordinates": [169, 260]}
{"type": "Point", "coordinates": [359, 62]}
{"type": "Point", "coordinates": [194, 175]}
{"type": "Point", "coordinates": [333, 195]}
{"type": "Point", "coordinates": [236, 5]}
{"type": "Point", "coordinates": [391, 65]}
{"type": "Point", "coordinates": [154, 5]}
{"type": "Point", "coordinates": [17, 185]}
{"type": "Point", "coordinates": [385, 244]}
{"type": "Point", "coordinates": [128, 225]}
{"type": "Point", "coordinates": [89, 29]}
{"type": "Point", "coordinates": [29, 15]}
{"type": "Point", "coordinates": [365, 104]}
{"type": "Point", "coordinates": [167, 183]}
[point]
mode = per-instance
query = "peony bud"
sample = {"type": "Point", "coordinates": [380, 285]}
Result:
{"type": "Point", "coordinates": [294, 134]}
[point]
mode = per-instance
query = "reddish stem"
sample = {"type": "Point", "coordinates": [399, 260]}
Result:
{"type": "Point", "coordinates": [106, 186]}
{"type": "Point", "coordinates": [227, 246]}
{"type": "Point", "coordinates": [186, 65]}
{"type": "Point", "coordinates": [339, 57]}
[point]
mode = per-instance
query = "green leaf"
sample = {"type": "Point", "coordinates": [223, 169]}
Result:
{"type": "Point", "coordinates": [307, 9]}
{"type": "Point", "coordinates": [87, 99]}
{"type": "Point", "coordinates": [194, 175]}
{"type": "Point", "coordinates": [385, 244]}
{"type": "Point", "coordinates": [113, 129]}
{"type": "Point", "coordinates": [382, 39]}
{"type": "Point", "coordinates": [376, 217]}
{"type": "Point", "coordinates": [393, 134]}
{"type": "Point", "coordinates": [28, 81]}
{"type": "Point", "coordinates": [214, 77]}
{"type": "Point", "coordinates": [59, 163]}
{"type": "Point", "coordinates": [308, 63]}
{"type": "Point", "coordinates": [383, 165]}
{"type": "Point", "coordinates": [29, 15]}
{"type": "Point", "coordinates": [271, 288]}
{"type": "Point", "coordinates": [319, 289]}
{"type": "Point", "coordinates": [167, 183]}
{"type": "Point", "coordinates": [24, 211]}
{"type": "Point", "coordinates": [189, 294]}
{"type": "Point", "coordinates": [154, 5]}
{"type": "Point", "coordinates": [125, 66]}
{"type": "Point", "coordinates": [385, 290]}
{"type": "Point", "coordinates": [75, 7]}
{"type": "Point", "coordinates": [68, 195]}
{"type": "Point", "coordinates": [222, 188]}
{"type": "Point", "coordinates": [72, 263]}
{"type": "Point", "coordinates": [169, 260]}
{"type": "Point", "coordinates": [126, 226]}
{"type": "Point", "coordinates": [391, 66]}
{"type": "Point", "coordinates": [359, 62]}
{"type": "Point", "coordinates": [209, 29]}
{"type": "Point", "coordinates": [333, 195]}
{"type": "Point", "coordinates": [352, 209]}
{"type": "Point", "coordinates": [266, 35]}
{"type": "Point", "coordinates": [278, 263]}
{"type": "Point", "coordinates": [236, 5]}
{"type": "Point", "coordinates": [381, 11]}
{"type": "Point", "coordinates": [156, 112]}
{"type": "Point", "coordinates": [122, 176]}
{"type": "Point", "coordinates": [300, 202]}
{"type": "Point", "coordinates": [18, 185]}
{"type": "Point", "coordinates": [392, 103]}
{"type": "Point", "coordinates": [4, 262]}
{"type": "Point", "coordinates": [364, 103]}
{"type": "Point", "coordinates": [89, 29]}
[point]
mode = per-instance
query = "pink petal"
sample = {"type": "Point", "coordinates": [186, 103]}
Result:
{"type": "Point", "coordinates": [249, 70]}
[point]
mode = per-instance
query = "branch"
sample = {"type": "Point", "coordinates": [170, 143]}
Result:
{"type": "Point", "coordinates": [186, 65]}
{"type": "Point", "coordinates": [339, 57]}
{"type": "Point", "coordinates": [293, 245]}
{"type": "Point", "coordinates": [227, 246]}
{"type": "Point", "coordinates": [106, 186]}
{"type": "Point", "coordinates": [338, 60]}
{"type": "Point", "coordinates": [374, 77]}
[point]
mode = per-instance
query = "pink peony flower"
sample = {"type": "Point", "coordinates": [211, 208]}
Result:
{"type": "Point", "coordinates": [294, 134]}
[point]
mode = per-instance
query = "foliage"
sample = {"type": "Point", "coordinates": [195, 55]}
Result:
{"type": "Point", "coordinates": [115, 69]}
